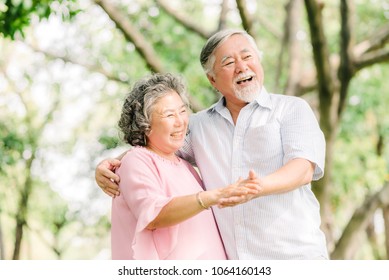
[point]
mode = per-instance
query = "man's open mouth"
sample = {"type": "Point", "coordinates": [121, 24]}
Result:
{"type": "Point", "coordinates": [244, 80]}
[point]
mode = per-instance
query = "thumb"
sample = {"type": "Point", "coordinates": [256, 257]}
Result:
{"type": "Point", "coordinates": [252, 174]}
{"type": "Point", "coordinates": [115, 163]}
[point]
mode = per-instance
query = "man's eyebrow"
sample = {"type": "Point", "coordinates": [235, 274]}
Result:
{"type": "Point", "coordinates": [245, 50]}
{"type": "Point", "coordinates": [225, 58]}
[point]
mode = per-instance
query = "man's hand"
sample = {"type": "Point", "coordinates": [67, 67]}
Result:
{"type": "Point", "coordinates": [253, 188]}
{"type": "Point", "coordinates": [106, 178]}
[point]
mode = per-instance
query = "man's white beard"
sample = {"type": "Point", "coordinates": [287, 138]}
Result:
{"type": "Point", "coordinates": [249, 93]}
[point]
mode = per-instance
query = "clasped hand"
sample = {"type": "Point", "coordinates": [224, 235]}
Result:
{"type": "Point", "coordinates": [241, 191]}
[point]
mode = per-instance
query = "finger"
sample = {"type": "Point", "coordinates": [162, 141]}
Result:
{"type": "Point", "coordinates": [114, 178]}
{"type": "Point", "coordinates": [236, 192]}
{"type": "Point", "coordinates": [252, 188]}
{"type": "Point", "coordinates": [109, 187]}
{"type": "Point", "coordinates": [113, 187]}
{"type": "Point", "coordinates": [107, 168]}
{"type": "Point", "coordinates": [111, 192]}
{"type": "Point", "coordinates": [114, 162]}
{"type": "Point", "coordinates": [239, 182]}
{"type": "Point", "coordinates": [252, 174]}
{"type": "Point", "coordinates": [107, 173]}
{"type": "Point", "coordinates": [232, 200]}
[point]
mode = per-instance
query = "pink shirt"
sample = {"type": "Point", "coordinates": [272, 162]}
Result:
{"type": "Point", "coordinates": [147, 183]}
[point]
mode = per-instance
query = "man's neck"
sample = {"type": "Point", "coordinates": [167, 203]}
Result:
{"type": "Point", "coordinates": [234, 109]}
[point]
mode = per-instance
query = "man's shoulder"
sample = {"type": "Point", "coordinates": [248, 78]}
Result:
{"type": "Point", "coordinates": [201, 115]}
{"type": "Point", "coordinates": [287, 101]}
{"type": "Point", "coordinates": [283, 97]}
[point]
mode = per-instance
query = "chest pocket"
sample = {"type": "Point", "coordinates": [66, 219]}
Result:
{"type": "Point", "coordinates": [263, 145]}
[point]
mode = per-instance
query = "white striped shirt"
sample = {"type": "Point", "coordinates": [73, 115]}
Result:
{"type": "Point", "coordinates": [268, 133]}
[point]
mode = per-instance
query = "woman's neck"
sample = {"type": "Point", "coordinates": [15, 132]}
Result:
{"type": "Point", "coordinates": [169, 156]}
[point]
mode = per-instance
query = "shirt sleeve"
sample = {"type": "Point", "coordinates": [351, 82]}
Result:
{"type": "Point", "coordinates": [145, 195]}
{"type": "Point", "coordinates": [302, 136]}
{"type": "Point", "coordinates": [186, 151]}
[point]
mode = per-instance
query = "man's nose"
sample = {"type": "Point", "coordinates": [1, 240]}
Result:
{"type": "Point", "coordinates": [240, 66]}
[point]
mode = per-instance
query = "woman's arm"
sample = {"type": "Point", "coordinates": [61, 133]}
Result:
{"type": "Point", "coordinates": [182, 208]}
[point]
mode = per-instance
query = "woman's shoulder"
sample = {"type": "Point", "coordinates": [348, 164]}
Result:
{"type": "Point", "coordinates": [137, 154]}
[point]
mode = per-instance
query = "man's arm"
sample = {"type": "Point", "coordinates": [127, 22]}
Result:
{"type": "Point", "coordinates": [294, 174]}
{"type": "Point", "coordinates": [105, 175]}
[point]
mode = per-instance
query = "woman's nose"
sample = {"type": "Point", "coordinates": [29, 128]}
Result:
{"type": "Point", "coordinates": [179, 119]}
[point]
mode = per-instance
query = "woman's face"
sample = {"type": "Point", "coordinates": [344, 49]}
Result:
{"type": "Point", "coordinates": [169, 123]}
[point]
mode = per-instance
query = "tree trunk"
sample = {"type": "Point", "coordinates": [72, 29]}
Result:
{"type": "Point", "coordinates": [349, 242]}
{"type": "Point", "coordinates": [322, 189]}
{"type": "Point", "coordinates": [224, 9]}
{"type": "Point", "coordinates": [386, 222]}
{"type": "Point", "coordinates": [373, 239]}
{"type": "Point", "coordinates": [290, 48]}
{"type": "Point", "coordinates": [2, 249]}
{"type": "Point", "coordinates": [22, 211]}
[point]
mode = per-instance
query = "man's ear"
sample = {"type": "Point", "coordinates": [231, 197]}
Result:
{"type": "Point", "coordinates": [211, 79]}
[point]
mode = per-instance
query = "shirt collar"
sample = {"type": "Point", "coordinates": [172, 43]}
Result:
{"type": "Point", "coordinates": [263, 99]}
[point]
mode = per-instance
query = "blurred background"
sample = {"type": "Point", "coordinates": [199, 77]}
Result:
{"type": "Point", "coordinates": [65, 67]}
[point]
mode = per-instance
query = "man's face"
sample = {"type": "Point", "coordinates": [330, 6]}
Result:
{"type": "Point", "coordinates": [238, 73]}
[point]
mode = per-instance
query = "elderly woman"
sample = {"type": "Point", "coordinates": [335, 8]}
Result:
{"type": "Point", "coordinates": [161, 212]}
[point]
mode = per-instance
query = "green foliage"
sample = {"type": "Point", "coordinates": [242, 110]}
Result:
{"type": "Point", "coordinates": [108, 140]}
{"type": "Point", "coordinates": [94, 98]}
{"type": "Point", "coordinates": [369, 16]}
{"type": "Point", "coordinates": [359, 169]}
{"type": "Point", "coordinates": [16, 15]}
{"type": "Point", "coordinates": [179, 49]}
{"type": "Point", "coordinates": [11, 146]}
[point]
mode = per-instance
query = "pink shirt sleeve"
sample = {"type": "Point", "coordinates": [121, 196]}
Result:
{"type": "Point", "coordinates": [145, 195]}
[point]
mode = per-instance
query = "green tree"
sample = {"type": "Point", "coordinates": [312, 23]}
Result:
{"type": "Point", "coordinates": [16, 15]}
{"type": "Point", "coordinates": [332, 53]}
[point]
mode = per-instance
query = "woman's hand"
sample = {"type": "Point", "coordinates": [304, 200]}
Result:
{"type": "Point", "coordinates": [241, 191]}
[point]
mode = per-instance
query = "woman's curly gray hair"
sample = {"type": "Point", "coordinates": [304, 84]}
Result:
{"type": "Point", "coordinates": [135, 119]}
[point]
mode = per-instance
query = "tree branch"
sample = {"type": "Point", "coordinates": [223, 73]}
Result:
{"type": "Point", "coordinates": [133, 35]}
{"type": "Point", "coordinates": [247, 21]}
{"type": "Point", "coordinates": [91, 68]}
{"type": "Point", "coordinates": [349, 241]}
{"type": "Point", "coordinates": [376, 40]}
{"type": "Point", "coordinates": [185, 20]}
{"type": "Point", "coordinates": [370, 58]}
{"type": "Point", "coordinates": [346, 69]}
